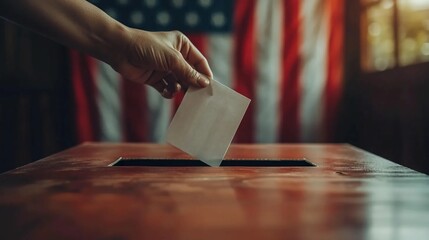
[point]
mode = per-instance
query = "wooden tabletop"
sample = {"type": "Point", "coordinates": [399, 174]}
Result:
{"type": "Point", "coordinates": [349, 194]}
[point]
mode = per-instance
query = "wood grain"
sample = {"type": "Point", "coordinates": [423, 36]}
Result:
{"type": "Point", "coordinates": [351, 194]}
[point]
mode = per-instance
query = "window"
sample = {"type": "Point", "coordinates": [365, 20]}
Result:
{"type": "Point", "coordinates": [394, 33]}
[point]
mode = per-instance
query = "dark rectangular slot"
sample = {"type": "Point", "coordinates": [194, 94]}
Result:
{"type": "Point", "coordinates": [148, 162]}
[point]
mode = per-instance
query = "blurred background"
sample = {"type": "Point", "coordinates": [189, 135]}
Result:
{"type": "Point", "coordinates": [316, 70]}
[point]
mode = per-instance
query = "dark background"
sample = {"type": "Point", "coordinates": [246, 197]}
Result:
{"type": "Point", "coordinates": [35, 98]}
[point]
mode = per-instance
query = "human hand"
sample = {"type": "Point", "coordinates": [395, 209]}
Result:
{"type": "Point", "coordinates": [167, 61]}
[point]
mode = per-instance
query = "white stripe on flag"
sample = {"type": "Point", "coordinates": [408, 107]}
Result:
{"type": "Point", "coordinates": [220, 56]}
{"type": "Point", "coordinates": [109, 103]}
{"type": "Point", "coordinates": [268, 51]}
{"type": "Point", "coordinates": [158, 114]}
{"type": "Point", "coordinates": [313, 68]}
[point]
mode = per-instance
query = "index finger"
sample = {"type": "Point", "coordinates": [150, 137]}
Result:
{"type": "Point", "coordinates": [194, 57]}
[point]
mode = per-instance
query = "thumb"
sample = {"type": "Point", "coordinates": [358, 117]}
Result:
{"type": "Point", "coordinates": [186, 74]}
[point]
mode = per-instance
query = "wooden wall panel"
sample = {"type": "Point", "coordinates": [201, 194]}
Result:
{"type": "Point", "coordinates": [35, 106]}
{"type": "Point", "coordinates": [384, 112]}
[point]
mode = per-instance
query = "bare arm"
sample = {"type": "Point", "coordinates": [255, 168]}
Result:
{"type": "Point", "coordinates": [164, 60]}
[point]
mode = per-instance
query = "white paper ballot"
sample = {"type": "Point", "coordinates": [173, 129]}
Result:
{"type": "Point", "coordinates": [206, 121]}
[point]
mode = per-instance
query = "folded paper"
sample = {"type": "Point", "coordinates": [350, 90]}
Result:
{"type": "Point", "coordinates": [206, 121]}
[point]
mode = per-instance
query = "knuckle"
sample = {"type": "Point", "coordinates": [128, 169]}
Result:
{"type": "Point", "coordinates": [177, 33]}
{"type": "Point", "coordinates": [181, 38]}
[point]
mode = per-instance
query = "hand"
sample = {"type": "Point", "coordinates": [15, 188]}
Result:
{"type": "Point", "coordinates": [167, 61]}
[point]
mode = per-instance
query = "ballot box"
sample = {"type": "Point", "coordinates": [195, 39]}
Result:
{"type": "Point", "coordinates": [274, 191]}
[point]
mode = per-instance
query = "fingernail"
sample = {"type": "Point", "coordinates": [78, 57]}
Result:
{"type": "Point", "coordinates": [178, 87]}
{"type": "Point", "coordinates": [164, 92]}
{"type": "Point", "coordinates": [203, 81]}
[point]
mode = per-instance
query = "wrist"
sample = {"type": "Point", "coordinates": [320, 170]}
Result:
{"type": "Point", "coordinates": [111, 43]}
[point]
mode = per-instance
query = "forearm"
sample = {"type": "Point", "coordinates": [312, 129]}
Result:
{"type": "Point", "coordinates": [165, 60]}
{"type": "Point", "coordinates": [74, 23]}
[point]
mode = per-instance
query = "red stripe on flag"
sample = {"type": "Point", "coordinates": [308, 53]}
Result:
{"type": "Point", "coordinates": [134, 109]}
{"type": "Point", "coordinates": [291, 62]}
{"type": "Point", "coordinates": [200, 42]}
{"type": "Point", "coordinates": [245, 62]}
{"type": "Point", "coordinates": [83, 69]}
{"type": "Point", "coordinates": [333, 86]}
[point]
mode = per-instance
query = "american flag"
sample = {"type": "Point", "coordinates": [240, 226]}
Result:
{"type": "Point", "coordinates": [284, 55]}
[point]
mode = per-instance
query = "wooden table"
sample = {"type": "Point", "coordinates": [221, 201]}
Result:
{"type": "Point", "coordinates": [349, 194]}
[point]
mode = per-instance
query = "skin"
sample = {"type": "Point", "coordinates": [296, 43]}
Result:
{"type": "Point", "coordinates": [167, 61]}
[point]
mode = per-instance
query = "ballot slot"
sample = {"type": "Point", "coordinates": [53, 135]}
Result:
{"type": "Point", "coordinates": [157, 162]}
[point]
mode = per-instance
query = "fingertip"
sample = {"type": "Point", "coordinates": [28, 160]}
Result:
{"type": "Point", "coordinates": [164, 92]}
{"type": "Point", "coordinates": [203, 81]}
{"type": "Point", "coordinates": [178, 87]}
